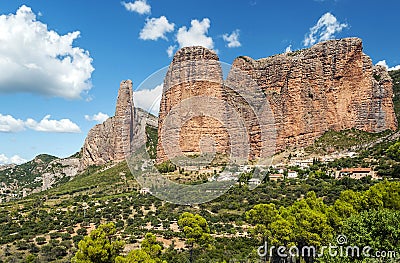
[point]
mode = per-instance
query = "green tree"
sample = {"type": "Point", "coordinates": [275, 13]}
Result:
{"type": "Point", "coordinates": [136, 256]}
{"type": "Point", "coordinates": [151, 246]}
{"type": "Point", "coordinates": [149, 252]}
{"type": "Point", "coordinates": [100, 246]}
{"type": "Point", "coordinates": [281, 232]}
{"type": "Point", "coordinates": [262, 214]}
{"type": "Point", "coordinates": [195, 228]}
{"type": "Point", "coordinates": [378, 229]}
{"type": "Point", "coordinates": [40, 240]}
{"type": "Point", "coordinates": [394, 151]}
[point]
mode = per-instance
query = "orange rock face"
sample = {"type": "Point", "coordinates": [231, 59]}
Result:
{"type": "Point", "coordinates": [330, 86]}
{"type": "Point", "coordinates": [194, 75]}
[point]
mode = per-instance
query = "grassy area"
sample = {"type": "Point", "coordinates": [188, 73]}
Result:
{"type": "Point", "coordinates": [152, 140]}
{"type": "Point", "coordinates": [343, 140]}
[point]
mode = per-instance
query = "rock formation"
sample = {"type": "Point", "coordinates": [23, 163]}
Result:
{"type": "Point", "coordinates": [112, 139]}
{"type": "Point", "coordinates": [194, 72]}
{"type": "Point", "coordinates": [330, 86]}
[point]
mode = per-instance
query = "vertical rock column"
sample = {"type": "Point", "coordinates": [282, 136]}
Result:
{"type": "Point", "coordinates": [124, 120]}
{"type": "Point", "coordinates": [193, 82]}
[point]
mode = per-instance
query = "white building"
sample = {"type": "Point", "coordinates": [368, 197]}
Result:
{"type": "Point", "coordinates": [292, 175]}
{"type": "Point", "coordinates": [304, 163]}
{"type": "Point", "coordinates": [254, 181]}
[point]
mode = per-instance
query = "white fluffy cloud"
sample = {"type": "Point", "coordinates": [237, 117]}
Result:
{"type": "Point", "coordinates": [3, 159]}
{"type": "Point", "coordinates": [156, 28]}
{"type": "Point", "coordinates": [149, 100]}
{"type": "Point", "coordinates": [383, 63]}
{"type": "Point", "coordinates": [288, 49]}
{"type": "Point", "coordinates": [140, 6]}
{"type": "Point", "coordinates": [99, 117]}
{"type": "Point", "coordinates": [170, 51]}
{"type": "Point", "coordinates": [196, 35]}
{"type": "Point", "coordinates": [47, 125]}
{"type": "Point", "coordinates": [232, 39]}
{"type": "Point", "coordinates": [326, 28]}
{"type": "Point", "coordinates": [12, 160]}
{"type": "Point", "coordinates": [9, 124]}
{"type": "Point", "coordinates": [37, 60]}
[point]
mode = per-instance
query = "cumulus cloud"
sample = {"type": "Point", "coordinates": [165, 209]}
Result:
{"type": "Point", "coordinates": [148, 100]}
{"type": "Point", "coordinates": [9, 124]}
{"type": "Point", "coordinates": [196, 35]}
{"type": "Point", "coordinates": [34, 59]}
{"type": "Point", "coordinates": [232, 39]}
{"type": "Point", "coordinates": [140, 6]}
{"type": "Point", "coordinates": [170, 51]}
{"type": "Point", "coordinates": [12, 160]}
{"type": "Point", "coordinates": [383, 63]}
{"type": "Point", "coordinates": [3, 159]}
{"type": "Point", "coordinates": [156, 28]}
{"type": "Point", "coordinates": [288, 49]}
{"type": "Point", "coordinates": [99, 117]}
{"type": "Point", "coordinates": [47, 125]}
{"type": "Point", "coordinates": [326, 28]}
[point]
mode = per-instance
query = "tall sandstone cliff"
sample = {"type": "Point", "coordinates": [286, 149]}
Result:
{"type": "Point", "coordinates": [330, 86]}
{"type": "Point", "coordinates": [194, 72]}
{"type": "Point", "coordinates": [114, 138]}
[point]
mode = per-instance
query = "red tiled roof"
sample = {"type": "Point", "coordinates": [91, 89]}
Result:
{"type": "Point", "coordinates": [276, 175]}
{"type": "Point", "coordinates": [356, 170]}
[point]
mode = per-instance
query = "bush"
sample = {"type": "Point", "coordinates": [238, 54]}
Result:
{"type": "Point", "coordinates": [82, 232]}
{"type": "Point", "coordinates": [166, 167]}
{"type": "Point", "coordinates": [40, 240]}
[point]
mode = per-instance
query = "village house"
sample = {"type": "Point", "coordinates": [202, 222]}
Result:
{"type": "Point", "coordinates": [304, 163]}
{"type": "Point", "coordinates": [292, 174]}
{"type": "Point", "coordinates": [275, 177]}
{"type": "Point", "coordinates": [355, 173]}
{"type": "Point", "coordinates": [254, 181]}
{"type": "Point", "coordinates": [144, 191]}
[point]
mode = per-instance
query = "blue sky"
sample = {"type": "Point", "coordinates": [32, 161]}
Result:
{"type": "Point", "coordinates": [61, 61]}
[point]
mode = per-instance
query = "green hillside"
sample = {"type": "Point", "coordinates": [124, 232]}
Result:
{"type": "Point", "coordinates": [47, 227]}
{"type": "Point", "coordinates": [314, 209]}
{"type": "Point", "coordinates": [26, 175]}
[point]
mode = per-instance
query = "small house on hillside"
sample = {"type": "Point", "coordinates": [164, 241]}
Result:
{"type": "Point", "coordinates": [275, 177]}
{"type": "Point", "coordinates": [292, 174]}
{"type": "Point", "coordinates": [304, 163]}
{"type": "Point", "coordinates": [355, 173]}
{"type": "Point", "coordinates": [254, 181]}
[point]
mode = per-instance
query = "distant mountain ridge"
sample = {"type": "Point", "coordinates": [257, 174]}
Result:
{"type": "Point", "coordinates": [39, 174]}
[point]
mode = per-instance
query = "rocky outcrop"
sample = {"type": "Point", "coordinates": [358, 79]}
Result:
{"type": "Point", "coordinates": [57, 170]}
{"type": "Point", "coordinates": [39, 174]}
{"type": "Point", "coordinates": [114, 138]}
{"type": "Point", "coordinates": [195, 72]}
{"type": "Point", "coordinates": [330, 86]}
